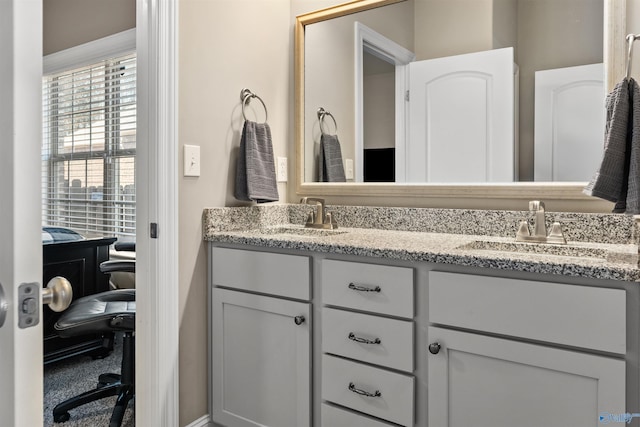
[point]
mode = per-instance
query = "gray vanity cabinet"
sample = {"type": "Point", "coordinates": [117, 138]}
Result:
{"type": "Point", "coordinates": [401, 343]}
{"type": "Point", "coordinates": [260, 356]}
{"type": "Point", "coordinates": [506, 380]}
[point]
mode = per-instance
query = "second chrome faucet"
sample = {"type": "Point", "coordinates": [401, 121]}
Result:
{"type": "Point", "coordinates": [539, 234]}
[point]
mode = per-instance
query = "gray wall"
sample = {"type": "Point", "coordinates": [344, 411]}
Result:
{"type": "Point", "coordinates": [225, 45]}
{"type": "Point", "coordinates": [68, 23]}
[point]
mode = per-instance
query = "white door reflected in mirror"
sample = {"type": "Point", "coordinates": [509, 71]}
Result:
{"type": "Point", "coordinates": [461, 118]}
{"type": "Point", "coordinates": [569, 123]}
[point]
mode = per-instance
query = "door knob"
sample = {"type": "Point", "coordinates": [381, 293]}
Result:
{"type": "Point", "coordinates": [58, 294]}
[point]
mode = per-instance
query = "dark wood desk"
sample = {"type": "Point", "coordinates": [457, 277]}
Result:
{"type": "Point", "coordinates": [78, 262]}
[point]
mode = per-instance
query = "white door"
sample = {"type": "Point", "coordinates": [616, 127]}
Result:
{"type": "Point", "coordinates": [569, 123]}
{"type": "Point", "coordinates": [461, 118]}
{"type": "Point", "coordinates": [261, 365]}
{"type": "Point", "coordinates": [20, 235]}
{"type": "Point", "coordinates": [476, 380]}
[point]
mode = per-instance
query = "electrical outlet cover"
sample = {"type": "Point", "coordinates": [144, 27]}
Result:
{"type": "Point", "coordinates": [281, 169]}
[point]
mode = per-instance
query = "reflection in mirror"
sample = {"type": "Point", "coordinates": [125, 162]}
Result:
{"type": "Point", "coordinates": [455, 126]}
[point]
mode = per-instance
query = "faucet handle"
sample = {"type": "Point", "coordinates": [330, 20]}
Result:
{"type": "Point", "coordinates": [523, 229]}
{"type": "Point", "coordinates": [556, 235]}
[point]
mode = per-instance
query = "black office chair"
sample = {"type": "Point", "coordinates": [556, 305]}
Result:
{"type": "Point", "coordinates": [107, 312]}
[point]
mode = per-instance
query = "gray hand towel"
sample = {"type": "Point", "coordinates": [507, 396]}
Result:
{"type": "Point", "coordinates": [618, 179]}
{"type": "Point", "coordinates": [256, 171]}
{"type": "Point", "coordinates": [330, 167]}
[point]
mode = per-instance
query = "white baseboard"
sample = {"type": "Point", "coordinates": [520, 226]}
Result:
{"type": "Point", "coordinates": [203, 421]}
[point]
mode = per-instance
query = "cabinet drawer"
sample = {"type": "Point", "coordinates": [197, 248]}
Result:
{"type": "Point", "coordinates": [580, 316]}
{"type": "Point", "coordinates": [369, 287]}
{"type": "Point", "coordinates": [390, 341]}
{"type": "Point", "coordinates": [394, 403]}
{"type": "Point", "coordinates": [337, 417]}
{"type": "Point", "coordinates": [264, 272]}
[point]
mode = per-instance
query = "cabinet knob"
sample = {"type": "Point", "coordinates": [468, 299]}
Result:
{"type": "Point", "coordinates": [434, 348]}
{"type": "Point", "coordinates": [299, 320]}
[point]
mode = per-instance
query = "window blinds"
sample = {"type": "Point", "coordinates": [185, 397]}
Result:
{"type": "Point", "coordinates": [89, 148]}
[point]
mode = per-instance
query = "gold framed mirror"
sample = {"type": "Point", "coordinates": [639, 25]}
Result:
{"type": "Point", "coordinates": [560, 196]}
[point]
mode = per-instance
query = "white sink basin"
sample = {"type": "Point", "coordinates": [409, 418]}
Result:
{"type": "Point", "coordinates": [569, 250]}
{"type": "Point", "coordinates": [301, 231]}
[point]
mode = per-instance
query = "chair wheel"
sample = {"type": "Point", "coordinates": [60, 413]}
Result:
{"type": "Point", "coordinates": [61, 418]}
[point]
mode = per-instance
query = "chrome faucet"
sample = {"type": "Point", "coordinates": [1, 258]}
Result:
{"type": "Point", "coordinates": [539, 234]}
{"type": "Point", "coordinates": [539, 225]}
{"type": "Point", "coordinates": [319, 218]}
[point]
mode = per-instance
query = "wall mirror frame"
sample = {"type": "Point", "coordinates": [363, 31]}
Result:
{"type": "Point", "coordinates": [567, 195]}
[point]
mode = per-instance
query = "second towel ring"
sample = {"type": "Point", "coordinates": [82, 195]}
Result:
{"type": "Point", "coordinates": [630, 39]}
{"type": "Point", "coordinates": [321, 114]}
{"type": "Point", "coordinates": [245, 97]}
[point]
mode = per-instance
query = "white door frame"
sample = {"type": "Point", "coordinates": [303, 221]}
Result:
{"type": "Point", "coordinates": [157, 325]}
{"type": "Point", "coordinates": [157, 287]}
{"type": "Point", "coordinates": [20, 236]}
{"type": "Point", "coordinates": [389, 51]}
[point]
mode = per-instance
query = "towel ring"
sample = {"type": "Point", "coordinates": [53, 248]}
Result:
{"type": "Point", "coordinates": [630, 39]}
{"type": "Point", "coordinates": [321, 114]}
{"type": "Point", "coordinates": [245, 97]}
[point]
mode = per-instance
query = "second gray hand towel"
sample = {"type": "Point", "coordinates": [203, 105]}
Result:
{"type": "Point", "coordinates": [330, 167]}
{"type": "Point", "coordinates": [618, 179]}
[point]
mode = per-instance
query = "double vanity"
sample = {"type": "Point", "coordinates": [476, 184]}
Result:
{"type": "Point", "coordinates": [421, 317]}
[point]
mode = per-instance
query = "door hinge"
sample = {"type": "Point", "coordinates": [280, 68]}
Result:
{"type": "Point", "coordinates": [153, 230]}
{"type": "Point", "coordinates": [4, 306]}
{"type": "Point", "coordinates": [406, 96]}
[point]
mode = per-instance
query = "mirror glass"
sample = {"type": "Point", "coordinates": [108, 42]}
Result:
{"type": "Point", "coordinates": [455, 91]}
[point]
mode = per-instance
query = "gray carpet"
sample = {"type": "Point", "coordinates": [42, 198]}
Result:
{"type": "Point", "coordinates": [75, 375]}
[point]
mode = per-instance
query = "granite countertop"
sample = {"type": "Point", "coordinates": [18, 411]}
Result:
{"type": "Point", "coordinates": [614, 260]}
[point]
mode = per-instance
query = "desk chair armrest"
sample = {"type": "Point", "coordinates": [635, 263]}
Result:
{"type": "Point", "coordinates": [125, 246]}
{"type": "Point", "coordinates": [120, 265]}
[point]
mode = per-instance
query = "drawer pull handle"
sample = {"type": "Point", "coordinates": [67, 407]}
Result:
{"type": "Point", "coordinates": [354, 337]}
{"type": "Point", "coordinates": [364, 288]}
{"type": "Point", "coordinates": [353, 388]}
{"type": "Point", "coordinates": [434, 348]}
{"type": "Point", "coordinates": [299, 320]}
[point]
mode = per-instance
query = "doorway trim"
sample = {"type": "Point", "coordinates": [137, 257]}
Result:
{"type": "Point", "coordinates": [369, 40]}
{"type": "Point", "coordinates": [157, 287]}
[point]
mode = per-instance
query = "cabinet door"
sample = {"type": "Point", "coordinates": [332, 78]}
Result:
{"type": "Point", "coordinates": [260, 360]}
{"type": "Point", "coordinates": [475, 380]}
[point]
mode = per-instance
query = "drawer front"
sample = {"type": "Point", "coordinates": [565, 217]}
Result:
{"type": "Point", "coordinates": [369, 287]}
{"type": "Point", "coordinates": [394, 403]}
{"type": "Point", "coordinates": [264, 272]}
{"type": "Point", "coordinates": [579, 316]}
{"type": "Point", "coordinates": [338, 417]}
{"type": "Point", "coordinates": [372, 339]}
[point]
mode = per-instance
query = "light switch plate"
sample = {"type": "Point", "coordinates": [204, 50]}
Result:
{"type": "Point", "coordinates": [191, 160]}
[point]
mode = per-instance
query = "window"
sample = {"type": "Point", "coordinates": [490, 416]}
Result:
{"type": "Point", "coordinates": [89, 148]}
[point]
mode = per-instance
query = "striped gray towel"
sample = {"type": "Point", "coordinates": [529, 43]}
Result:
{"type": "Point", "coordinates": [256, 171]}
{"type": "Point", "coordinates": [618, 179]}
{"type": "Point", "coordinates": [330, 167]}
